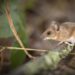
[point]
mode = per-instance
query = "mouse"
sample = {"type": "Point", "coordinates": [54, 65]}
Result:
{"type": "Point", "coordinates": [64, 32]}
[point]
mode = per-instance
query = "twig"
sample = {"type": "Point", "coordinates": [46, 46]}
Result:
{"type": "Point", "coordinates": [11, 24]}
{"type": "Point", "coordinates": [18, 48]}
{"type": "Point", "coordinates": [29, 49]}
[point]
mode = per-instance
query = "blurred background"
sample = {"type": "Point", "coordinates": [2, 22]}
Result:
{"type": "Point", "coordinates": [37, 16]}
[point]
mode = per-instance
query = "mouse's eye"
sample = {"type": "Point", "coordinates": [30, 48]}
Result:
{"type": "Point", "coordinates": [48, 33]}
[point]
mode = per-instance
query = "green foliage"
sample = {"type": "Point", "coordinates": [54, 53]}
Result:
{"type": "Point", "coordinates": [17, 11]}
{"type": "Point", "coordinates": [18, 57]}
{"type": "Point", "coordinates": [5, 31]}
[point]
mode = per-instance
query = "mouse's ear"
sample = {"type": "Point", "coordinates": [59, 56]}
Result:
{"type": "Point", "coordinates": [54, 25]}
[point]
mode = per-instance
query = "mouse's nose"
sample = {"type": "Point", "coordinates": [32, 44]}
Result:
{"type": "Point", "coordinates": [44, 37]}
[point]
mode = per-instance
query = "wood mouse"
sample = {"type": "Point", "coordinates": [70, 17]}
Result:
{"type": "Point", "coordinates": [64, 32]}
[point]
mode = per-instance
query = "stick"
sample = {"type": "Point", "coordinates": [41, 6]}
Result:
{"type": "Point", "coordinates": [11, 24]}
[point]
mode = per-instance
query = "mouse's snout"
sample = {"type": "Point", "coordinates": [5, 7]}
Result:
{"type": "Point", "coordinates": [46, 36]}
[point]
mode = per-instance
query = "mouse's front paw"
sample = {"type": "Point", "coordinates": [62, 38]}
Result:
{"type": "Point", "coordinates": [70, 41]}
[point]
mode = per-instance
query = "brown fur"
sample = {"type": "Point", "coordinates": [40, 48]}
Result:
{"type": "Point", "coordinates": [66, 31]}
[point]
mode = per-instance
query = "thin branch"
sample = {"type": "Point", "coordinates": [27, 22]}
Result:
{"type": "Point", "coordinates": [11, 24]}
{"type": "Point", "coordinates": [18, 48]}
{"type": "Point", "coordinates": [29, 49]}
